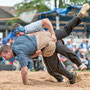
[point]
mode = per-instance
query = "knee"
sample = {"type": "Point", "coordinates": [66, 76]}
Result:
{"type": "Point", "coordinates": [68, 30]}
{"type": "Point", "coordinates": [44, 21]}
{"type": "Point", "coordinates": [51, 73]}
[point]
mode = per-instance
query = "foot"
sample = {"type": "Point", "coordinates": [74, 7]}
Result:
{"type": "Point", "coordinates": [83, 10]}
{"type": "Point", "coordinates": [73, 80]}
{"type": "Point", "coordinates": [83, 67]}
{"type": "Point", "coordinates": [63, 80]}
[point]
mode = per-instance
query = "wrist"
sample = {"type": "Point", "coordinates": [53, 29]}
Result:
{"type": "Point", "coordinates": [53, 33]}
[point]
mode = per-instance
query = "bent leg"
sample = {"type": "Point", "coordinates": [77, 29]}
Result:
{"type": "Point", "coordinates": [55, 67]}
{"type": "Point", "coordinates": [62, 33]}
{"type": "Point", "coordinates": [56, 75]}
{"type": "Point", "coordinates": [65, 51]}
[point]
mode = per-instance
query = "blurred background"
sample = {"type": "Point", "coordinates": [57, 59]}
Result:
{"type": "Point", "coordinates": [59, 12]}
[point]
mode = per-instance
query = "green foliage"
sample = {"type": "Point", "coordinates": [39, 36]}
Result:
{"type": "Point", "coordinates": [29, 5]}
{"type": "Point", "coordinates": [79, 2]}
{"type": "Point", "coordinates": [62, 3]}
{"type": "Point", "coordinates": [10, 22]}
{"type": "Point", "coordinates": [40, 5]}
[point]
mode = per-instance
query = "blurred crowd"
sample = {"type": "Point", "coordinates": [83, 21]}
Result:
{"type": "Point", "coordinates": [82, 50]}
{"type": "Point", "coordinates": [36, 64]}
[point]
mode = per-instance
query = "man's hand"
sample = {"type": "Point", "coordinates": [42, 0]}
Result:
{"type": "Point", "coordinates": [53, 37]}
{"type": "Point", "coordinates": [37, 53]}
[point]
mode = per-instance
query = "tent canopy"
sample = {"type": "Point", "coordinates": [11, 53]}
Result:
{"type": "Point", "coordinates": [62, 11]}
{"type": "Point", "coordinates": [9, 36]}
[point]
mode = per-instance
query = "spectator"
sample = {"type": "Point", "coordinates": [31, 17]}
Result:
{"type": "Point", "coordinates": [84, 45]}
{"type": "Point", "coordinates": [77, 50]}
{"type": "Point", "coordinates": [0, 43]}
{"type": "Point", "coordinates": [88, 54]}
{"type": "Point", "coordinates": [42, 62]}
{"type": "Point", "coordinates": [82, 57]}
{"type": "Point", "coordinates": [2, 60]}
{"type": "Point", "coordinates": [73, 44]}
{"type": "Point", "coordinates": [69, 45]}
{"type": "Point", "coordinates": [10, 41]}
{"type": "Point", "coordinates": [88, 59]}
{"type": "Point", "coordinates": [36, 63]}
{"type": "Point", "coordinates": [76, 34]}
{"type": "Point", "coordinates": [14, 62]}
{"type": "Point", "coordinates": [11, 61]}
{"type": "Point", "coordinates": [83, 35]}
{"type": "Point", "coordinates": [67, 63]}
{"type": "Point", "coordinates": [30, 64]}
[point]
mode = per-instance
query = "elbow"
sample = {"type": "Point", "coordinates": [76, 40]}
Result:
{"type": "Point", "coordinates": [44, 21]}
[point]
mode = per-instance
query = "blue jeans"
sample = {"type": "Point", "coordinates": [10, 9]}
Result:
{"type": "Point", "coordinates": [30, 64]}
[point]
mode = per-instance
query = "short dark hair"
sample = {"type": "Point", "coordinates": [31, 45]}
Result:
{"type": "Point", "coordinates": [14, 26]}
{"type": "Point", "coordinates": [4, 49]}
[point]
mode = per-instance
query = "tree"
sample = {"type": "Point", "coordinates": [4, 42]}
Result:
{"type": "Point", "coordinates": [28, 5]}
{"type": "Point", "coordinates": [64, 3]}
{"type": "Point", "coordinates": [79, 2]}
{"type": "Point", "coordinates": [40, 5]}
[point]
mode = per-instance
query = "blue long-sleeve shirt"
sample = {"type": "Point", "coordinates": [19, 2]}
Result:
{"type": "Point", "coordinates": [24, 47]}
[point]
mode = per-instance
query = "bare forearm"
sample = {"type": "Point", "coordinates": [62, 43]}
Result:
{"type": "Point", "coordinates": [35, 55]}
{"type": "Point", "coordinates": [24, 78]}
{"type": "Point", "coordinates": [24, 75]}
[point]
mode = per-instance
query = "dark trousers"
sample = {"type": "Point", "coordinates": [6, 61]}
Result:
{"type": "Point", "coordinates": [54, 66]}
{"type": "Point", "coordinates": [62, 33]}
{"type": "Point", "coordinates": [65, 51]}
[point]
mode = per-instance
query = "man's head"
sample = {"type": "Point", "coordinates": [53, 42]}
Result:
{"type": "Point", "coordinates": [17, 29]}
{"type": "Point", "coordinates": [6, 52]}
{"type": "Point", "coordinates": [84, 41]}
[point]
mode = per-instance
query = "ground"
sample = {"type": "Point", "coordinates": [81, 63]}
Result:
{"type": "Point", "coordinates": [41, 80]}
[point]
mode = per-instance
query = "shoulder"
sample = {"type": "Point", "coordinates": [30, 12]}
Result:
{"type": "Point", "coordinates": [33, 24]}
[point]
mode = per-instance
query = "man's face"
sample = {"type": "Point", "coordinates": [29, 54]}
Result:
{"type": "Point", "coordinates": [84, 41]}
{"type": "Point", "coordinates": [19, 33]}
{"type": "Point", "coordinates": [7, 55]}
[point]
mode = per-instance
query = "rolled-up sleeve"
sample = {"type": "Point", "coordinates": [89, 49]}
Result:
{"type": "Point", "coordinates": [21, 57]}
{"type": "Point", "coordinates": [34, 27]}
{"type": "Point", "coordinates": [23, 60]}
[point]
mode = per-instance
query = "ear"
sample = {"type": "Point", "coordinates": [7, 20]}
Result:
{"type": "Point", "coordinates": [2, 53]}
{"type": "Point", "coordinates": [10, 51]}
